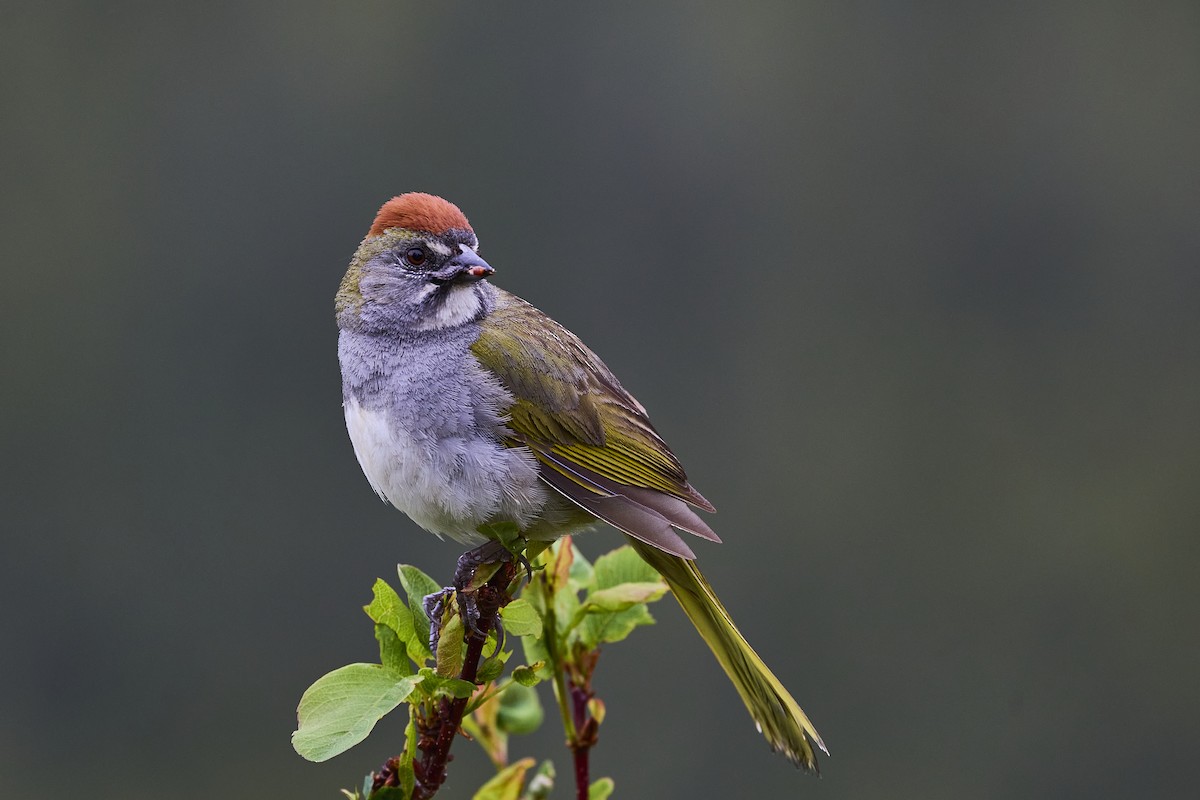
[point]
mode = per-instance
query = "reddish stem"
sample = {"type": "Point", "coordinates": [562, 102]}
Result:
{"type": "Point", "coordinates": [437, 734]}
{"type": "Point", "coordinates": [586, 728]}
{"type": "Point", "coordinates": [581, 771]}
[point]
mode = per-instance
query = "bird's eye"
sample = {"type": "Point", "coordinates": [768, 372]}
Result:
{"type": "Point", "coordinates": [415, 256]}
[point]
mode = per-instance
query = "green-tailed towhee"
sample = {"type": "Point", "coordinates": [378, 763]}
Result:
{"type": "Point", "coordinates": [469, 407]}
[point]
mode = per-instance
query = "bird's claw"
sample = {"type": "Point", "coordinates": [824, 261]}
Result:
{"type": "Point", "coordinates": [499, 628]}
{"type": "Point", "coordinates": [468, 608]}
{"type": "Point", "coordinates": [524, 562]}
{"type": "Point", "coordinates": [435, 608]}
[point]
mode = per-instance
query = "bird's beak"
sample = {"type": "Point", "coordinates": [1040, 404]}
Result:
{"type": "Point", "coordinates": [466, 267]}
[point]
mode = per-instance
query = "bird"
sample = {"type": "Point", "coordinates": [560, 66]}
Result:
{"type": "Point", "coordinates": [467, 407]}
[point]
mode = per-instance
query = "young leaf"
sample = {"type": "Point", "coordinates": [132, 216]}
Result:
{"type": "Point", "coordinates": [536, 656]}
{"type": "Point", "coordinates": [602, 627]}
{"type": "Point", "coordinates": [491, 667]}
{"type": "Point", "coordinates": [597, 710]}
{"type": "Point", "coordinates": [482, 574]}
{"type": "Point", "coordinates": [566, 606]}
{"type": "Point", "coordinates": [392, 653]}
{"type": "Point", "coordinates": [386, 608]}
{"type": "Point", "coordinates": [433, 685]}
{"type": "Point", "coordinates": [581, 568]}
{"type": "Point", "coordinates": [623, 596]}
{"type": "Point", "coordinates": [506, 784]}
{"type": "Point", "coordinates": [622, 565]}
{"type": "Point", "coordinates": [521, 619]}
{"type": "Point", "coordinates": [450, 648]}
{"type": "Point", "coordinates": [528, 675]}
{"type": "Point", "coordinates": [601, 789]}
{"type": "Point", "coordinates": [613, 573]}
{"type": "Point", "coordinates": [340, 709]}
{"type": "Point", "coordinates": [520, 710]}
{"type": "Point", "coordinates": [506, 533]}
{"type": "Point", "coordinates": [405, 771]}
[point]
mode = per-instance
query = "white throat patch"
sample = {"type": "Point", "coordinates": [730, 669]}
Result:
{"type": "Point", "coordinates": [461, 305]}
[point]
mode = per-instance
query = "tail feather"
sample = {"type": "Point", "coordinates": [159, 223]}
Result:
{"type": "Point", "coordinates": [778, 716]}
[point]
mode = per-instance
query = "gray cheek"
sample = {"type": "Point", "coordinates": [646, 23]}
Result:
{"type": "Point", "coordinates": [392, 301]}
{"type": "Point", "coordinates": [381, 287]}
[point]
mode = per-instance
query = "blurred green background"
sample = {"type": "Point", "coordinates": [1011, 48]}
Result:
{"type": "Point", "coordinates": [912, 290]}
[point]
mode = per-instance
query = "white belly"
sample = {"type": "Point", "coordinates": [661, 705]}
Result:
{"type": "Point", "coordinates": [447, 485]}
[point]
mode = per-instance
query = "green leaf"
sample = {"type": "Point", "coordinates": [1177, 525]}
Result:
{"type": "Point", "coordinates": [392, 653]}
{"type": "Point", "coordinates": [434, 685]}
{"type": "Point", "coordinates": [581, 569]}
{"type": "Point", "coordinates": [340, 709]}
{"type": "Point", "coordinates": [566, 605]}
{"type": "Point", "coordinates": [450, 648]}
{"type": "Point", "coordinates": [386, 608]}
{"type": "Point", "coordinates": [405, 773]}
{"type": "Point", "coordinates": [622, 565]}
{"type": "Point", "coordinates": [528, 675]}
{"type": "Point", "coordinates": [520, 710]}
{"type": "Point", "coordinates": [506, 533]}
{"type": "Point", "coordinates": [506, 784]}
{"type": "Point", "coordinates": [600, 628]}
{"type": "Point", "coordinates": [482, 574]}
{"type": "Point", "coordinates": [622, 584]}
{"type": "Point", "coordinates": [389, 793]}
{"type": "Point", "coordinates": [521, 619]}
{"type": "Point", "coordinates": [417, 586]}
{"type": "Point", "coordinates": [536, 656]}
{"type": "Point", "coordinates": [492, 666]}
{"type": "Point", "coordinates": [601, 789]}
{"type": "Point", "coordinates": [623, 596]}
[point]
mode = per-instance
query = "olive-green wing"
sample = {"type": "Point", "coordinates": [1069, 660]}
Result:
{"type": "Point", "coordinates": [593, 440]}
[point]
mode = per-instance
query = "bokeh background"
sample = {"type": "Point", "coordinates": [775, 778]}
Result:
{"type": "Point", "coordinates": [912, 289]}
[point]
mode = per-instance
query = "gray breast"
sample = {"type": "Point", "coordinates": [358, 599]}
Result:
{"type": "Point", "coordinates": [426, 422]}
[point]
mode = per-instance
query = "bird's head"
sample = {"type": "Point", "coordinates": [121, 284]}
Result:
{"type": "Point", "coordinates": [417, 269]}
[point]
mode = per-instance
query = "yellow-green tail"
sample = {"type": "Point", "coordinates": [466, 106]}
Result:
{"type": "Point", "coordinates": [777, 714]}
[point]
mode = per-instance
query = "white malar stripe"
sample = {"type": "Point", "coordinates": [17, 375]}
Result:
{"type": "Point", "coordinates": [461, 305]}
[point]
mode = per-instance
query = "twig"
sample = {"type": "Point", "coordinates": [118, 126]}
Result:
{"type": "Point", "coordinates": [581, 747]}
{"type": "Point", "coordinates": [586, 729]}
{"type": "Point", "coordinates": [437, 734]}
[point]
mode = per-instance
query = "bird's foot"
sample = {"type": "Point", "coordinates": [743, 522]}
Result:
{"type": "Point", "coordinates": [474, 568]}
{"type": "Point", "coordinates": [469, 573]}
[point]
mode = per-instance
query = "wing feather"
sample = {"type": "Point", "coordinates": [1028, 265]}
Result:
{"type": "Point", "coordinates": [593, 440]}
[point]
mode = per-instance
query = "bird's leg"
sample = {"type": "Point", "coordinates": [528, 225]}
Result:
{"type": "Point", "coordinates": [488, 553]}
{"type": "Point", "coordinates": [467, 580]}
